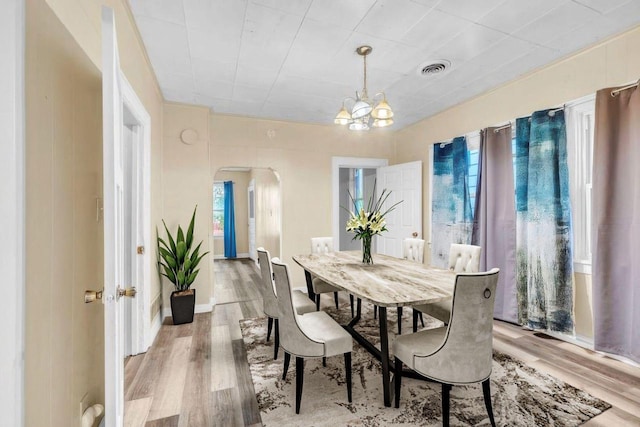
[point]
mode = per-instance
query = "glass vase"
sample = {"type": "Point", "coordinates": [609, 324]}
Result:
{"type": "Point", "coordinates": [366, 249]}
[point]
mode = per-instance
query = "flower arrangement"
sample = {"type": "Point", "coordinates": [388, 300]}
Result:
{"type": "Point", "coordinates": [367, 223]}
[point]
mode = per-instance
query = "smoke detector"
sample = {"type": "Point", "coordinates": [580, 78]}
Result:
{"type": "Point", "coordinates": [433, 67]}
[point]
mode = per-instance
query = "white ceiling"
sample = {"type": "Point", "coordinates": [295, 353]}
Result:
{"type": "Point", "coordinates": [295, 60]}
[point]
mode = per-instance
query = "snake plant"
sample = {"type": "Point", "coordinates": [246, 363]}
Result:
{"type": "Point", "coordinates": [178, 262]}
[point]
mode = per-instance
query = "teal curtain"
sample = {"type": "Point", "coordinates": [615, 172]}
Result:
{"type": "Point", "coordinates": [229, 221]}
{"type": "Point", "coordinates": [451, 214]}
{"type": "Point", "coordinates": [543, 217]}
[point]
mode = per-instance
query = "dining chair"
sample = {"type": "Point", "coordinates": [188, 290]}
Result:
{"type": "Point", "coordinates": [301, 301]}
{"type": "Point", "coordinates": [324, 245]}
{"type": "Point", "coordinates": [412, 250]}
{"type": "Point", "coordinates": [462, 259]}
{"type": "Point", "coordinates": [314, 334]}
{"type": "Point", "coordinates": [461, 352]}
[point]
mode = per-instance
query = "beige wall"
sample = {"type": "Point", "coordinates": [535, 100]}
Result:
{"type": "Point", "coordinates": [611, 63]}
{"type": "Point", "coordinates": [64, 256]}
{"type": "Point", "coordinates": [186, 182]}
{"type": "Point", "coordinates": [240, 184]}
{"type": "Point", "coordinates": [301, 156]}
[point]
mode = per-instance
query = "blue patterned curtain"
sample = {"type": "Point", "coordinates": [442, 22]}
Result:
{"type": "Point", "coordinates": [544, 257]}
{"type": "Point", "coordinates": [451, 217]}
{"type": "Point", "coordinates": [229, 221]}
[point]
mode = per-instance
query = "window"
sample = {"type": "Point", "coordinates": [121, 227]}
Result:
{"type": "Point", "coordinates": [580, 134]}
{"type": "Point", "coordinates": [358, 189]}
{"type": "Point", "coordinates": [473, 147]}
{"type": "Point", "coordinates": [218, 209]}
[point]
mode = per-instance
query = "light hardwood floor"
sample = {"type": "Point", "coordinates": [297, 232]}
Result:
{"type": "Point", "coordinates": [197, 375]}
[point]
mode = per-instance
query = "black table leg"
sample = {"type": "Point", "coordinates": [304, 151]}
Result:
{"type": "Point", "coordinates": [312, 295]}
{"type": "Point", "coordinates": [384, 350]}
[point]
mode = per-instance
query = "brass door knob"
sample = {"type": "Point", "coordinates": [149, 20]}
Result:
{"type": "Point", "coordinates": [414, 234]}
{"type": "Point", "coordinates": [128, 292]}
{"type": "Point", "coordinates": [91, 296]}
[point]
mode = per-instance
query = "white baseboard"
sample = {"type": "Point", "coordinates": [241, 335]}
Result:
{"type": "Point", "coordinates": [242, 255]}
{"type": "Point", "coordinates": [156, 323]}
{"type": "Point", "coordinates": [212, 301]}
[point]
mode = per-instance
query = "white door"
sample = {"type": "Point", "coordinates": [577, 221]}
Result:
{"type": "Point", "coordinates": [113, 179]}
{"type": "Point", "coordinates": [251, 195]}
{"type": "Point", "coordinates": [405, 183]}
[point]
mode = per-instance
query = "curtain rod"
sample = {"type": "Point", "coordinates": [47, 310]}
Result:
{"type": "Point", "coordinates": [498, 129]}
{"type": "Point", "coordinates": [631, 86]}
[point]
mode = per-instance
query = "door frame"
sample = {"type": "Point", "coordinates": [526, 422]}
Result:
{"type": "Point", "coordinates": [251, 202]}
{"type": "Point", "coordinates": [12, 184]}
{"type": "Point", "coordinates": [141, 334]}
{"type": "Point", "coordinates": [347, 162]}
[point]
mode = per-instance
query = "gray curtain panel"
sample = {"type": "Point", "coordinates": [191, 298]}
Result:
{"type": "Point", "coordinates": [495, 218]}
{"type": "Point", "coordinates": [616, 223]}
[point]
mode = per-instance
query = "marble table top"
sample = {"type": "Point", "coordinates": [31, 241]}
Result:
{"type": "Point", "coordinates": [388, 282]}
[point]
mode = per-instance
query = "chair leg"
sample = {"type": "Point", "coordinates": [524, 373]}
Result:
{"type": "Point", "coordinates": [446, 388]}
{"type": "Point", "coordinates": [335, 298]}
{"type": "Point", "coordinates": [317, 302]}
{"type": "Point", "coordinates": [351, 300]}
{"type": "Point", "coordinates": [375, 311]}
{"type": "Point", "coordinates": [276, 343]}
{"type": "Point", "coordinates": [421, 319]}
{"type": "Point", "coordinates": [399, 320]}
{"type": "Point", "coordinates": [347, 368]}
{"type": "Point", "coordinates": [486, 390]}
{"type": "Point", "coordinates": [324, 362]}
{"type": "Point", "coordinates": [415, 320]}
{"type": "Point", "coordinates": [299, 381]}
{"type": "Point", "coordinates": [269, 327]}
{"type": "Point", "coordinates": [287, 359]}
{"type": "Point", "coordinates": [398, 380]}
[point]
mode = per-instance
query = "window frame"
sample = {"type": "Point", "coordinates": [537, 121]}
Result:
{"type": "Point", "coordinates": [580, 121]}
{"type": "Point", "coordinates": [220, 234]}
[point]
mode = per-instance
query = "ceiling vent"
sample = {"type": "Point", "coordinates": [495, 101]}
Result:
{"type": "Point", "coordinates": [433, 67]}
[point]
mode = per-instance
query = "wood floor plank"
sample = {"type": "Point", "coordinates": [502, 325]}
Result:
{"type": "Point", "coordinates": [227, 408]}
{"type": "Point", "coordinates": [167, 399]}
{"type": "Point", "coordinates": [136, 412]}
{"type": "Point", "coordinates": [613, 417]}
{"type": "Point", "coordinates": [196, 399]}
{"type": "Point", "coordinates": [250, 411]}
{"type": "Point", "coordinates": [223, 371]}
{"type": "Point", "coordinates": [164, 422]}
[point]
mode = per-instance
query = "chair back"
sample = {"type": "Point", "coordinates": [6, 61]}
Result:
{"type": "Point", "coordinates": [413, 250]}
{"type": "Point", "coordinates": [464, 258]}
{"type": "Point", "coordinates": [321, 245]}
{"type": "Point", "coordinates": [292, 339]}
{"type": "Point", "coordinates": [467, 351]}
{"type": "Point", "coordinates": [267, 287]}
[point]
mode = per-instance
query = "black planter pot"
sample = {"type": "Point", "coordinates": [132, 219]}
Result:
{"type": "Point", "coordinates": [182, 307]}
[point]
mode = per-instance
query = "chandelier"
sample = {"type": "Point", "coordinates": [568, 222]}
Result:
{"type": "Point", "coordinates": [365, 112]}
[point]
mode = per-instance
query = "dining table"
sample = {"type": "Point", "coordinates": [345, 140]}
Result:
{"type": "Point", "coordinates": [388, 282]}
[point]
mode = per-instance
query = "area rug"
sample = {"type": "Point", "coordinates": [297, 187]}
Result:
{"type": "Point", "coordinates": [521, 396]}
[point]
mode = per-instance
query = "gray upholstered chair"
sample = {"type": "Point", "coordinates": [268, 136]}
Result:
{"type": "Point", "coordinates": [462, 259]}
{"type": "Point", "coordinates": [311, 335]}
{"type": "Point", "coordinates": [323, 245]}
{"type": "Point", "coordinates": [301, 301]}
{"type": "Point", "coordinates": [460, 353]}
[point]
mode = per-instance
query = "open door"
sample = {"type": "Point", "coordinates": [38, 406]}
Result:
{"type": "Point", "coordinates": [405, 183]}
{"type": "Point", "coordinates": [126, 218]}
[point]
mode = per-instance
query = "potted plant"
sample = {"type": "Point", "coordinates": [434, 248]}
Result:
{"type": "Point", "coordinates": [179, 263]}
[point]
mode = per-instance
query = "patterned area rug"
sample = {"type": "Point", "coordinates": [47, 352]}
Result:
{"type": "Point", "coordinates": [521, 396]}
